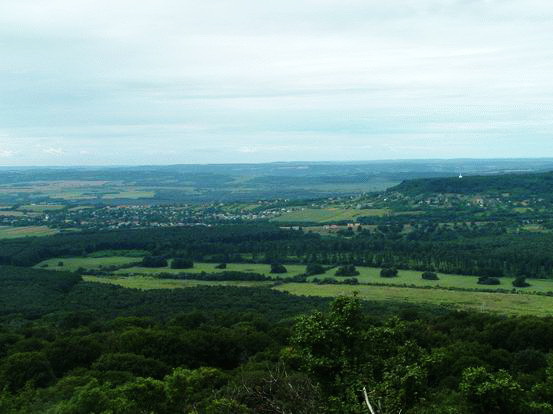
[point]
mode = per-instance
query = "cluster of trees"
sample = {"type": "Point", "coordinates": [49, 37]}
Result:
{"type": "Point", "coordinates": [430, 276]}
{"type": "Point", "coordinates": [221, 276]}
{"type": "Point", "coordinates": [507, 254]}
{"type": "Point", "coordinates": [182, 263]}
{"type": "Point", "coordinates": [388, 272]}
{"type": "Point", "coordinates": [487, 280]}
{"type": "Point", "coordinates": [278, 268]}
{"type": "Point", "coordinates": [347, 270]}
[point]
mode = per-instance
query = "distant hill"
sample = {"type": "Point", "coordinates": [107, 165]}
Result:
{"type": "Point", "coordinates": [530, 184]}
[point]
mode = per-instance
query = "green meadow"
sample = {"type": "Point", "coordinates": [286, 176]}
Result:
{"type": "Point", "coordinates": [74, 263]}
{"type": "Point", "coordinates": [29, 231]}
{"type": "Point", "coordinates": [368, 275]}
{"type": "Point", "coordinates": [505, 303]}
{"type": "Point", "coordinates": [263, 269]}
{"type": "Point", "coordinates": [328, 215]}
{"type": "Point", "coordinates": [147, 283]}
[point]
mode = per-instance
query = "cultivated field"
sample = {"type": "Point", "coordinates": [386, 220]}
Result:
{"type": "Point", "coordinates": [30, 231]}
{"type": "Point", "coordinates": [329, 215]}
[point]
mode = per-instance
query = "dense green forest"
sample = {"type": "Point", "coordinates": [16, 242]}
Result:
{"type": "Point", "coordinates": [481, 250]}
{"type": "Point", "coordinates": [92, 348]}
{"type": "Point", "coordinates": [516, 185]}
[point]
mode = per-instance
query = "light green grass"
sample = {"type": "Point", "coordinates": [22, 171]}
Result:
{"type": "Point", "coordinates": [106, 258]}
{"type": "Point", "coordinates": [146, 283]}
{"type": "Point", "coordinates": [41, 208]}
{"type": "Point", "coordinates": [328, 215]}
{"type": "Point", "coordinates": [263, 269]}
{"type": "Point", "coordinates": [129, 194]}
{"type": "Point", "coordinates": [29, 231]}
{"type": "Point", "coordinates": [412, 277]}
{"type": "Point", "coordinates": [11, 213]}
{"type": "Point", "coordinates": [137, 254]}
{"type": "Point", "coordinates": [505, 303]}
{"type": "Point", "coordinates": [73, 263]}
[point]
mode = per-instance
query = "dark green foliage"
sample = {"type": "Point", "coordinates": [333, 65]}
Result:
{"type": "Point", "coordinates": [181, 263]}
{"type": "Point", "coordinates": [138, 365]}
{"type": "Point", "coordinates": [221, 276]}
{"type": "Point", "coordinates": [230, 361]}
{"type": "Point", "coordinates": [347, 270]}
{"type": "Point", "coordinates": [223, 239]}
{"type": "Point", "coordinates": [520, 282]}
{"type": "Point", "coordinates": [516, 184]}
{"type": "Point", "coordinates": [278, 268]}
{"type": "Point", "coordinates": [430, 276]}
{"type": "Point", "coordinates": [154, 261]}
{"type": "Point", "coordinates": [221, 266]}
{"type": "Point", "coordinates": [23, 368]}
{"type": "Point", "coordinates": [32, 292]}
{"type": "Point", "coordinates": [388, 272]}
{"type": "Point", "coordinates": [313, 269]}
{"type": "Point", "coordinates": [486, 280]}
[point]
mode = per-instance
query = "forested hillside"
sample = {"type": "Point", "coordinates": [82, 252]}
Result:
{"type": "Point", "coordinates": [516, 185]}
{"type": "Point", "coordinates": [99, 349]}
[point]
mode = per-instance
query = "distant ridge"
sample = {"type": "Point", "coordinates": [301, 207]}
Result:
{"type": "Point", "coordinates": [530, 184]}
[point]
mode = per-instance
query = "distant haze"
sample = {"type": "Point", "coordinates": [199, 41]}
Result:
{"type": "Point", "coordinates": [86, 82]}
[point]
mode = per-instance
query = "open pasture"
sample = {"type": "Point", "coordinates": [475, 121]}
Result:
{"type": "Point", "coordinates": [74, 263]}
{"type": "Point", "coordinates": [41, 208]}
{"type": "Point", "coordinates": [130, 194]}
{"type": "Point", "coordinates": [28, 231]}
{"type": "Point", "coordinates": [147, 283]}
{"type": "Point", "coordinates": [263, 269]}
{"type": "Point", "coordinates": [505, 303]}
{"type": "Point", "coordinates": [412, 277]}
{"type": "Point", "coordinates": [367, 275]}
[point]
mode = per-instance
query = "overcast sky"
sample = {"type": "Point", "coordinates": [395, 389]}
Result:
{"type": "Point", "coordinates": [179, 81]}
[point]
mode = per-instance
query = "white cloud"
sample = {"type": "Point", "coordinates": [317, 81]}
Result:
{"type": "Point", "coordinates": [53, 151]}
{"type": "Point", "coordinates": [4, 153]}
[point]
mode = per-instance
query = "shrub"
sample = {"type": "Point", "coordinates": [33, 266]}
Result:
{"type": "Point", "coordinates": [388, 272]}
{"type": "Point", "coordinates": [221, 266]}
{"type": "Point", "coordinates": [485, 280]}
{"type": "Point", "coordinates": [430, 276]}
{"type": "Point", "coordinates": [278, 268]}
{"type": "Point", "coordinates": [520, 282]}
{"type": "Point", "coordinates": [154, 261]}
{"type": "Point", "coordinates": [181, 263]}
{"type": "Point", "coordinates": [347, 270]}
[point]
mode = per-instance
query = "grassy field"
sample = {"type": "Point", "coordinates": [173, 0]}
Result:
{"type": "Point", "coordinates": [105, 258]}
{"type": "Point", "coordinates": [263, 269]}
{"type": "Point", "coordinates": [131, 194]}
{"type": "Point", "coordinates": [411, 277]}
{"type": "Point", "coordinates": [514, 304]}
{"type": "Point", "coordinates": [73, 263]}
{"type": "Point", "coordinates": [145, 283]}
{"type": "Point", "coordinates": [505, 303]}
{"type": "Point", "coordinates": [11, 213]}
{"type": "Point", "coordinates": [30, 231]}
{"type": "Point", "coordinates": [328, 215]}
{"type": "Point", "coordinates": [41, 208]}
